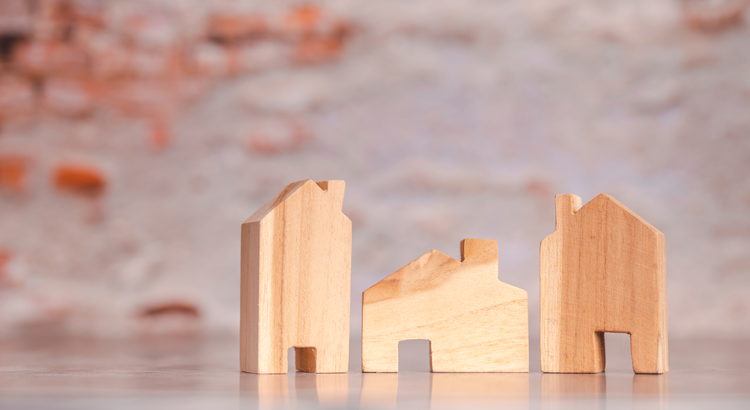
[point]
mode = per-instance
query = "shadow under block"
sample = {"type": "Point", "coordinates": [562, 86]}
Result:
{"type": "Point", "coordinates": [602, 270]}
{"type": "Point", "coordinates": [296, 281]}
{"type": "Point", "coordinates": [474, 322]}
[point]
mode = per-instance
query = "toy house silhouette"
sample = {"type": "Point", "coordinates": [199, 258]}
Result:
{"type": "Point", "coordinates": [474, 322]}
{"type": "Point", "coordinates": [296, 281]}
{"type": "Point", "coordinates": [602, 270]}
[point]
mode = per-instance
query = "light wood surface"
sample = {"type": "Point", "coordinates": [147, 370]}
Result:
{"type": "Point", "coordinates": [296, 281]}
{"type": "Point", "coordinates": [602, 270]}
{"type": "Point", "coordinates": [474, 322]}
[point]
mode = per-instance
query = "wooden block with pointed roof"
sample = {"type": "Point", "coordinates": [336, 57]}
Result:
{"type": "Point", "coordinates": [602, 270]}
{"type": "Point", "coordinates": [474, 322]}
{"type": "Point", "coordinates": [296, 281]}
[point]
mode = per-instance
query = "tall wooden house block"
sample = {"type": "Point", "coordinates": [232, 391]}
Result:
{"type": "Point", "coordinates": [296, 281]}
{"type": "Point", "coordinates": [474, 322]}
{"type": "Point", "coordinates": [602, 270]}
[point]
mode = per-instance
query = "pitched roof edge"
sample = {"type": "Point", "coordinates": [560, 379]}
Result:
{"type": "Point", "coordinates": [278, 199]}
{"type": "Point", "coordinates": [398, 272]}
{"type": "Point", "coordinates": [606, 197]}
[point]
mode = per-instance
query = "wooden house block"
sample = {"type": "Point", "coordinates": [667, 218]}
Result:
{"type": "Point", "coordinates": [296, 281]}
{"type": "Point", "coordinates": [602, 270]}
{"type": "Point", "coordinates": [474, 322]}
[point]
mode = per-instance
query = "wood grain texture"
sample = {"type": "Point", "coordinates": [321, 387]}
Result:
{"type": "Point", "coordinates": [474, 322]}
{"type": "Point", "coordinates": [602, 270]}
{"type": "Point", "coordinates": [296, 281]}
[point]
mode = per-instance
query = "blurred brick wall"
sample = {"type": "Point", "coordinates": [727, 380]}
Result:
{"type": "Point", "coordinates": [136, 136]}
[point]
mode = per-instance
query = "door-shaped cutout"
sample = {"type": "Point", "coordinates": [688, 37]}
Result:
{"type": "Point", "coordinates": [617, 352]}
{"type": "Point", "coordinates": [304, 359]}
{"type": "Point", "coordinates": [414, 355]}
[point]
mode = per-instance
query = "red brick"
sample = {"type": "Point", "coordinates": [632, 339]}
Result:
{"type": "Point", "coordinates": [160, 134]}
{"type": "Point", "coordinates": [46, 58]}
{"type": "Point", "coordinates": [209, 59]}
{"type": "Point", "coordinates": [89, 14]}
{"type": "Point", "coordinates": [4, 259]}
{"type": "Point", "coordinates": [277, 136]}
{"type": "Point", "coordinates": [261, 56]}
{"type": "Point", "coordinates": [317, 49]}
{"type": "Point", "coordinates": [53, 19]}
{"type": "Point", "coordinates": [17, 96]}
{"type": "Point", "coordinates": [539, 188]}
{"type": "Point", "coordinates": [318, 37]}
{"type": "Point", "coordinates": [231, 28]}
{"type": "Point", "coordinates": [80, 178]}
{"type": "Point", "coordinates": [177, 307]}
{"type": "Point", "coordinates": [6, 280]}
{"type": "Point", "coordinates": [712, 15]}
{"type": "Point", "coordinates": [15, 17]}
{"type": "Point", "coordinates": [111, 60]}
{"type": "Point", "coordinates": [70, 96]}
{"type": "Point", "coordinates": [13, 169]}
{"type": "Point", "coordinates": [215, 60]}
{"type": "Point", "coordinates": [308, 20]}
{"type": "Point", "coordinates": [303, 20]}
{"type": "Point", "coordinates": [169, 317]}
{"type": "Point", "coordinates": [115, 60]}
{"type": "Point", "coordinates": [150, 98]}
{"type": "Point", "coordinates": [167, 63]}
{"type": "Point", "coordinates": [144, 98]}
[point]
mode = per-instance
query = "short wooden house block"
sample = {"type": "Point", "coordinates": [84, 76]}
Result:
{"type": "Point", "coordinates": [474, 322]}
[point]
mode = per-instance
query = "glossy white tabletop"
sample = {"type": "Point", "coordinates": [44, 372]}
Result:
{"type": "Point", "coordinates": [203, 374]}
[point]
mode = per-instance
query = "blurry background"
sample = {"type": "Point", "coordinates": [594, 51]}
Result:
{"type": "Point", "coordinates": [136, 136]}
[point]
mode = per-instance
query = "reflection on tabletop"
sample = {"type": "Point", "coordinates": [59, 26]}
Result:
{"type": "Point", "coordinates": [203, 373]}
{"type": "Point", "coordinates": [436, 390]}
